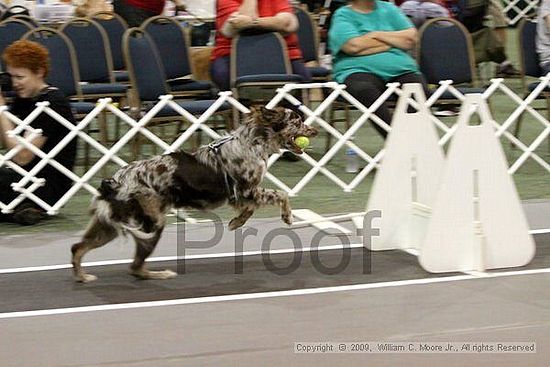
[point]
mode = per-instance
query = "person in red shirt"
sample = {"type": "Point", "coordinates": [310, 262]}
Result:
{"type": "Point", "coordinates": [136, 11]}
{"type": "Point", "coordinates": [234, 16]}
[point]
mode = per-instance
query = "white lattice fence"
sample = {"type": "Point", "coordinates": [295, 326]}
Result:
{"type": "Point", "coordinates": [108, 154]}
{"type": "Point", "coordinates": [368, 113]}
{"type": "Point", "coordinates": [31, 180]}
{"type": "Point", "coordinates": [517, 9]}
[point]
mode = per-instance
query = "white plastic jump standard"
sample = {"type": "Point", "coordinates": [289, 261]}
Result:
{"type": "Point", "coordinates": [406, 183]}
{"type": "Point", "coordinates": [477, 221]}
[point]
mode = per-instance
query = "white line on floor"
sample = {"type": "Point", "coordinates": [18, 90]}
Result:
{"type": "Point", "coordinates": [174, 258]}
{"type": "Point", "coordinates": [247, 296]}
{"type": "Point", "coordinates": [205, 256]}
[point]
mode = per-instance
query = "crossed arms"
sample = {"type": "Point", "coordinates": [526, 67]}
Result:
{"type": "Point", "coordinates": [379, 41]}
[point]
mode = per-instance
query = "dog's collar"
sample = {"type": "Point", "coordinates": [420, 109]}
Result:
{"type": "Point", "coordinates": [216, 144]}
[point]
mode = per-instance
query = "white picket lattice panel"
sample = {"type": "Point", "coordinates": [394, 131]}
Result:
{"type": "Point", "coordinates": [31, 180]}
{"type": "Point", "coordinates": [517, 9]}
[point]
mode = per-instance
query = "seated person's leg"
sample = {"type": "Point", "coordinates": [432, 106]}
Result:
{"type": "Point", "coordinates": [26, 213]}
{"type": "Point", "coordinates": [412, 78]}
{"type": "Point", "coordinates": [220, 73]}
{"type": "Point", "coordinates": [7, 177]}
{"type": "Point", "coordinates": [449, 110]}
{"type": "Point", "coordinates": [366, 88]}
{"type": "Point", "coordinates": [499, 22]}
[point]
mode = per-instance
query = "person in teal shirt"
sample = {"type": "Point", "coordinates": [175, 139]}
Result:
{"type": "Point", "coordinates": [369, 40]}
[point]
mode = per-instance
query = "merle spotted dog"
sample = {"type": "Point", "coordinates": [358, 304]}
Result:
{"type": "Point", "coordinates": [227, 171]}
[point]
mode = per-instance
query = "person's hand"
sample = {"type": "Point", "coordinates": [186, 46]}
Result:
{"type": "Point", "coordinates": [240, 21]}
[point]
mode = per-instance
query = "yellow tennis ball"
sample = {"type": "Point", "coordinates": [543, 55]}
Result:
{"type": "Point", "coordinates": [302, 141]}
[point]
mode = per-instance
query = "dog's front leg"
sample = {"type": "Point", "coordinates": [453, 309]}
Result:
{"type": "Point", "coordinates": [244, 214]}
{"type": "Point", "coordinates": [264, 196]}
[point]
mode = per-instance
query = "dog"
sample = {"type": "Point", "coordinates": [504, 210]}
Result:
{"type": "Point", "coordinates": [227, 171]}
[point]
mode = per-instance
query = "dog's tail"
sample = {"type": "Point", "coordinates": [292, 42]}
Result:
{"type": "Point", "coordinates": [115, 212]}
{"type": "Point", "coordinates": [101, 206]}
{"type": "Point", "coordinates": [104, 211]}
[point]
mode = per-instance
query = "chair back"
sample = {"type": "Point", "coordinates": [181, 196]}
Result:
{"type": "Point", "coordinates": [445, 51]}
{"type": "Point", "coordinates": [259, 54]}
{"type": "Point", "coordinates": [143, 62]}
{"type": "Point", "coordinates": [528, 56]}
{"type": "Point", "coordinates": [26, 18]}
{"type": "Point", "coordinates": [308, 38]}
{"type": "Point", "coordinates": [114, 26]}
{"type": "Point", "coordinates": [10, 31]}
{"type": "Point", "coordinates": [63, 72]}
{"type": "Point", "coordinates": [14, 10]}
{"type": "Point", "coordinates": [92, 49]}
{"type": "Point", "coordinates": [172, 44]}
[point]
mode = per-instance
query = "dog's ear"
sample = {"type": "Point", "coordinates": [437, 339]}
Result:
{"type": "Point", "coordinates": [273, 118]}
{"type": "Point", "coordinates": [257, 115]}
{"type": "Point", "coordinates": [269, 114]}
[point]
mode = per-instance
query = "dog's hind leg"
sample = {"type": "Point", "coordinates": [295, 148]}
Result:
{"type": "Point", "coordinates": [153, 215]}
{"type": "Point", "coordinates": [144, 248]}
{"type": "Point", "coordinates": [97, 234]}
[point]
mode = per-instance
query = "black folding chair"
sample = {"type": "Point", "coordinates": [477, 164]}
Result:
{"type": "Point", "coordinates": [94, 59]}
{"type": "Point", "coordinates": [10, 31]}
{"type": "Point", "coordinates": [445, 52]}
{"type": "Point", "coordinates": [147, 77]}
{"type": "Point", "coordinates": [175, 53]}
{"type": "Point", "coordinates": [114, 26]}
{"type": "Point", "coordinates": [308, 38]}
{"type": "Point", "coordinates": [26, 18]}
{"type": "Point", "coordinates": [260, 61]}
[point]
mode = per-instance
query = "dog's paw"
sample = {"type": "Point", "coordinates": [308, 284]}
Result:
{"type": "Point", "coordinates": [163, 274]}
{"type": "Point", "coordinates": [154, 275]}
{"type": "Point", "coordinates": [85, 278]}
{"type": "Point", "coordinates": [234, 224]}
{"type": "Point", "coordinates": [287, 218]}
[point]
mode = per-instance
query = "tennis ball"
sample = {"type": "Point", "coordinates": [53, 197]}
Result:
{"type": "Point", "coordinates": [302, 141]}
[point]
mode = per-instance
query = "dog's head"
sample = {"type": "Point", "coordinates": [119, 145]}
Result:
{"type": "Point", "coordinates": [285, 124]}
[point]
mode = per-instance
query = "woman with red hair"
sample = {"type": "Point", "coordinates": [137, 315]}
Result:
{"type": "Point", "coordinates": [27, 64]}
